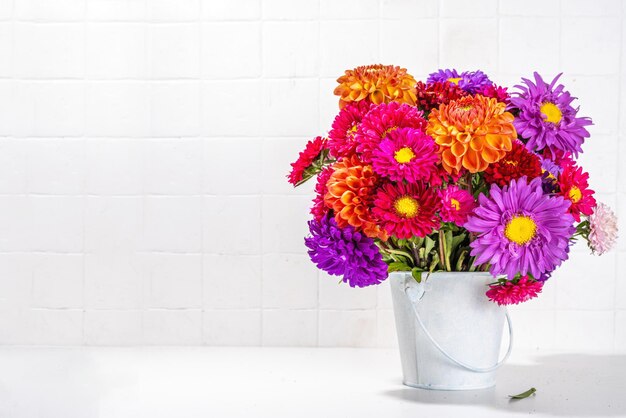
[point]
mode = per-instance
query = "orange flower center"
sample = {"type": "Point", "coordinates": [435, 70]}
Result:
{"type": "Point", "coordinates": [406, 207]}
{"type": "Point", "coordinates": [455, 204]}
{"type": "Point", "coordinates": [551, 112]}
{"type": "Point", "coordinates": [404, 155]}
{"type": "Point", "coordinates": [575, 194]}
{"type": "Point", "coordinates": [454, 80]}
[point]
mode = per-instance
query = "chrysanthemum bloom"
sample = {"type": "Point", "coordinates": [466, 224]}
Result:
{"type": "Point", "coordinates": [430, 96]}
{"type": "Point", "coordinates": [602, 229]}
{"type": "Point", "coordinates": [319, 208]}
{"type": "Point", "coordinates": [383, 119]}
{"type": "Point", "coordinates": [406, 154]}
{"type": "Point", "coordinates": [406, 210]}
{"type": "Point", "coordinates": [456, 205]}
{"type": "Point", "coordinates": [470, 81]}
{"type": "Point", "coordinates": [305, 159]}
{"type": "Point", "coordinates": [471, 132]}
{"type": "Point", "coordinates": [574, 186]}
{"type": "Point", "coordinates": [514, 292]}
{"type": "Point", "coordinates": [520, 229]}
{"type": "Point", "coordinates": [351, 194]}
{"type": "Point", "coordinates": [496, 92]}
{"type": "Point", "coordinates": [549, 175]}
{"type": "Point", "coordinates": [341, 137]}
{"type": "Point", "coordinates": [546, 117]}
{"type": "Point", "coordinates": [377, 84]}
{"type": "Point", "coordinates": [345, 252]}
{"type": "Point", "coordinates": [516, 163]}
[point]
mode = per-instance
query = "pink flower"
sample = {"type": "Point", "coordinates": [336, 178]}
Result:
{"type": "Point", "coordinates": [457, 204]}
{"type": "Point", "coordinates": [341, 137]}
{"type": "Point", "coordinates": [574, 186]}
{"type": "Point", "coordinates": [602, 229]}
{"type": "Point", "coordinates": [512, 292]}
{"type": "Point", "coordinates": [406, 154]}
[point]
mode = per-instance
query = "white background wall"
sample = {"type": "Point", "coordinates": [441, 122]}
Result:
{"type": "Point", "coordinates": [144, 146]}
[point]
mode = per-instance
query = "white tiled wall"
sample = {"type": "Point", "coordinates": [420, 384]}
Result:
{"type": "Point", "coordinates": [144, 146]}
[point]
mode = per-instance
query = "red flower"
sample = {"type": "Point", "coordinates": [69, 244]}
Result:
{"type": "Point", "coordinates": [516, 163]}
{"type": "Point", "coordinates": [514, 291]}
{"type": "Point", "coordinates": [497, 92]}
{"type": "Point", "coordinates": [305, 159]}
{"type": "Point", "coordinates": [574, 186]}
{"type": "Point", "coordinates": [319, 209]}
{"type": "Point", "coordinates": [430, 96]}
{"type": "Point", "coordinates": [341, 137]}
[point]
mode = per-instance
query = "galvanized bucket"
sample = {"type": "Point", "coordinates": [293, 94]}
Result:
{"type": "Point", "coordinates": [449, 332]}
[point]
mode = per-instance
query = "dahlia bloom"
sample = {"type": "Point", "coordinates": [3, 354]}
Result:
{"type": "Point", "coordinates": [546, 117]}
{"type": "Point", "coordinates": [345, 252]}
{"type": "Point", "coordinates": [319, 208]}
{"type": "Point", "coordinates": [515, 291]}
{"type": "Point", "coordinates": [376, 84]}
{"type": "Point", "coordinates": [470, 81]}
{"type": "Point", "coordinates": [472, 132]}
{"type": "Point", "coordinates": [311, 152]}
{"type": "Point", "coordinates": [574, 186]}
{"type": "Point", "coordinates": [456, 205]}
{"type": "Point", "coordinates": [602, 229]}
{"type": "Point", "coordinates": [516, 163]}
{"type": "Point", "coordinates": [383, 119]}
{"type": "Point", "coordinates": [430, 96]}
{"type": "Point", "coordinates": [406, 210]}
{"type": "Point", "coordinates": [406, 154]}
{"type": "Point", "coordinates": [341, 136]}
{"type": "Point", "coordinates": [520, 229]}
{"type": "Point", "coordinates": [350, 195]}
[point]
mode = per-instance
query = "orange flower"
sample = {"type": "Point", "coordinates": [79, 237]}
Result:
{"type": "Point", "coordinates": [472, 132]}
{"type": "Point", "coordinates": [351, 194]}
{"type": "Point", "coordinates": [377, 84]}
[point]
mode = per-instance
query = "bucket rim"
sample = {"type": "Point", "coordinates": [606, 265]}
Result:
{"type": "Point", "coordinates": [448, 273]}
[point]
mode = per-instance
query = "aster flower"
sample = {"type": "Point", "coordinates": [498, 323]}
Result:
{"type": "Point", "coordinates": [602, 229]}
{"type": "Point", "coordinates": [345, 252]}
{"type": "Point", "coordinates": [383, 119]}
{"type": "Point", "coordinates": [406, 154]}
{"type": "Point", "coordinates": [574, 186]}
{"type": "Point", "coordinates": [430, 96]}
{"type": "Point", "coordinates": [456, 205]}
{"type": "Point", "coordinates": [499, 93]}
{"type": "Point", "coordinates": [549, 174]}
{"type": "Point", "coordinates": [546, 117]}
{"type": "Point", "coordinates": [406, 210]}
{"type": "Point", "coordinates": [376, 84]}
{"type": "Point", "coordinates": [520, 229]}
{"type": "Point", "coordinates": [472, 132]}
{"type": "Point", "coordinates": [350, 195]}
{"type": "Point", "coordinates": [319, 208]}
{"type": "Point", "coordinates": [470, 81]}
{"type": "Point", "coordinates": [341, 140]}
{"type": "Point", "coordinates": [516, 163]}
{"type": "Point", "coordinates": [512, 292]}
{"type": "Point", "coordinates": [312, 151]}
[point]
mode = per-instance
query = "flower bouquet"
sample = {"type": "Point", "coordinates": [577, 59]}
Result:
{"type": "Point", "coordinates": [452, 174]}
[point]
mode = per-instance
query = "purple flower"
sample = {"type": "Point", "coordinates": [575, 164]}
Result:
{"type": "Point", "coordinates": [546, 117]}
{"type": "Point", "coordinates": [470, 81]}
{"type": "Point", "coordinates": [551, 171]}
{"type": "Point", "coordinates": [521, 230]}
{"type": "Point", "coordinates": [344, 251]}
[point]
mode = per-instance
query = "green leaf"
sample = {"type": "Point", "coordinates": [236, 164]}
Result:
{"type": "Point", "coordinates": [417, 274]}
{"type": "Point", "coordinates": [429, 244]}
{"type": "Point", "coordinates": [400, 253]}
{"type": "Point", "coordinates": [397, 266]}
{"type": "Point", "coordinates": [433, 264]}
{"type": "Point", "coordinates": [523, 395]}
{"type": "Point", "coordinates": [459, 262]}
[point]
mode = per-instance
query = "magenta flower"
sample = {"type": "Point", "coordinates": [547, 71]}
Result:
{"type": "Point", "coordinates": [406, 154]}
{"type": "Point", "coordinates": [513, 292]}
{"type": "Point", "coordinates": [456, 205]}
{"type": "Point", "coordinates": [520, 229]}
{"type": "Point", "coordinates": [546, 117]}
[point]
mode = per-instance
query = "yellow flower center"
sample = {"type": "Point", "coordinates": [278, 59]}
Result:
{"type": "Point", "coordinates": [575, 194]}
{"type": "Point", "coordinates": [466, 108]}
{"type": "Point", "coordinates": [454, 80]}
{"type": "Point", "coordinates": [353, 129]}
{"type": "Point", "coordinates": [551, 112]}
{"type": "Point", "coordinates": [520, 229]}
{"type": "Point", "coordinates": [455, 204]}
{"type": "Point", "coordinates": [509, 162]}
{"type": "Point", "coordinates": [393, 128]}
{"type": "Point", "coordinates": [404, 155]}
{"type": "Point", "coordinates": [406, 207]}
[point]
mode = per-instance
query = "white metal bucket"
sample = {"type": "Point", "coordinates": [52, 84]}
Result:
{"type": "Point", "coordinates": [448, 330]}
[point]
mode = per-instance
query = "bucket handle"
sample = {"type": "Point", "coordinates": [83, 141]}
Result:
{"type": "Point", "coordinates": [412, 299]}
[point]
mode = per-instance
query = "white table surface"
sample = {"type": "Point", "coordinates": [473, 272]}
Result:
{"type": "Point", "coordinates": [289, 382]}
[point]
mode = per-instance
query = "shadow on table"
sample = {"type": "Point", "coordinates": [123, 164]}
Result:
{"type": "Point", "coordinates": [567, 385]}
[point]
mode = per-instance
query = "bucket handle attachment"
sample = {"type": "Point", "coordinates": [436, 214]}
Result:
{"type": "Point", "coordinates": [413, 297]}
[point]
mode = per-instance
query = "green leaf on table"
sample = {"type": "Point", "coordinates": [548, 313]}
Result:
{"type": "Point", "coordinates": [523, 395]}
